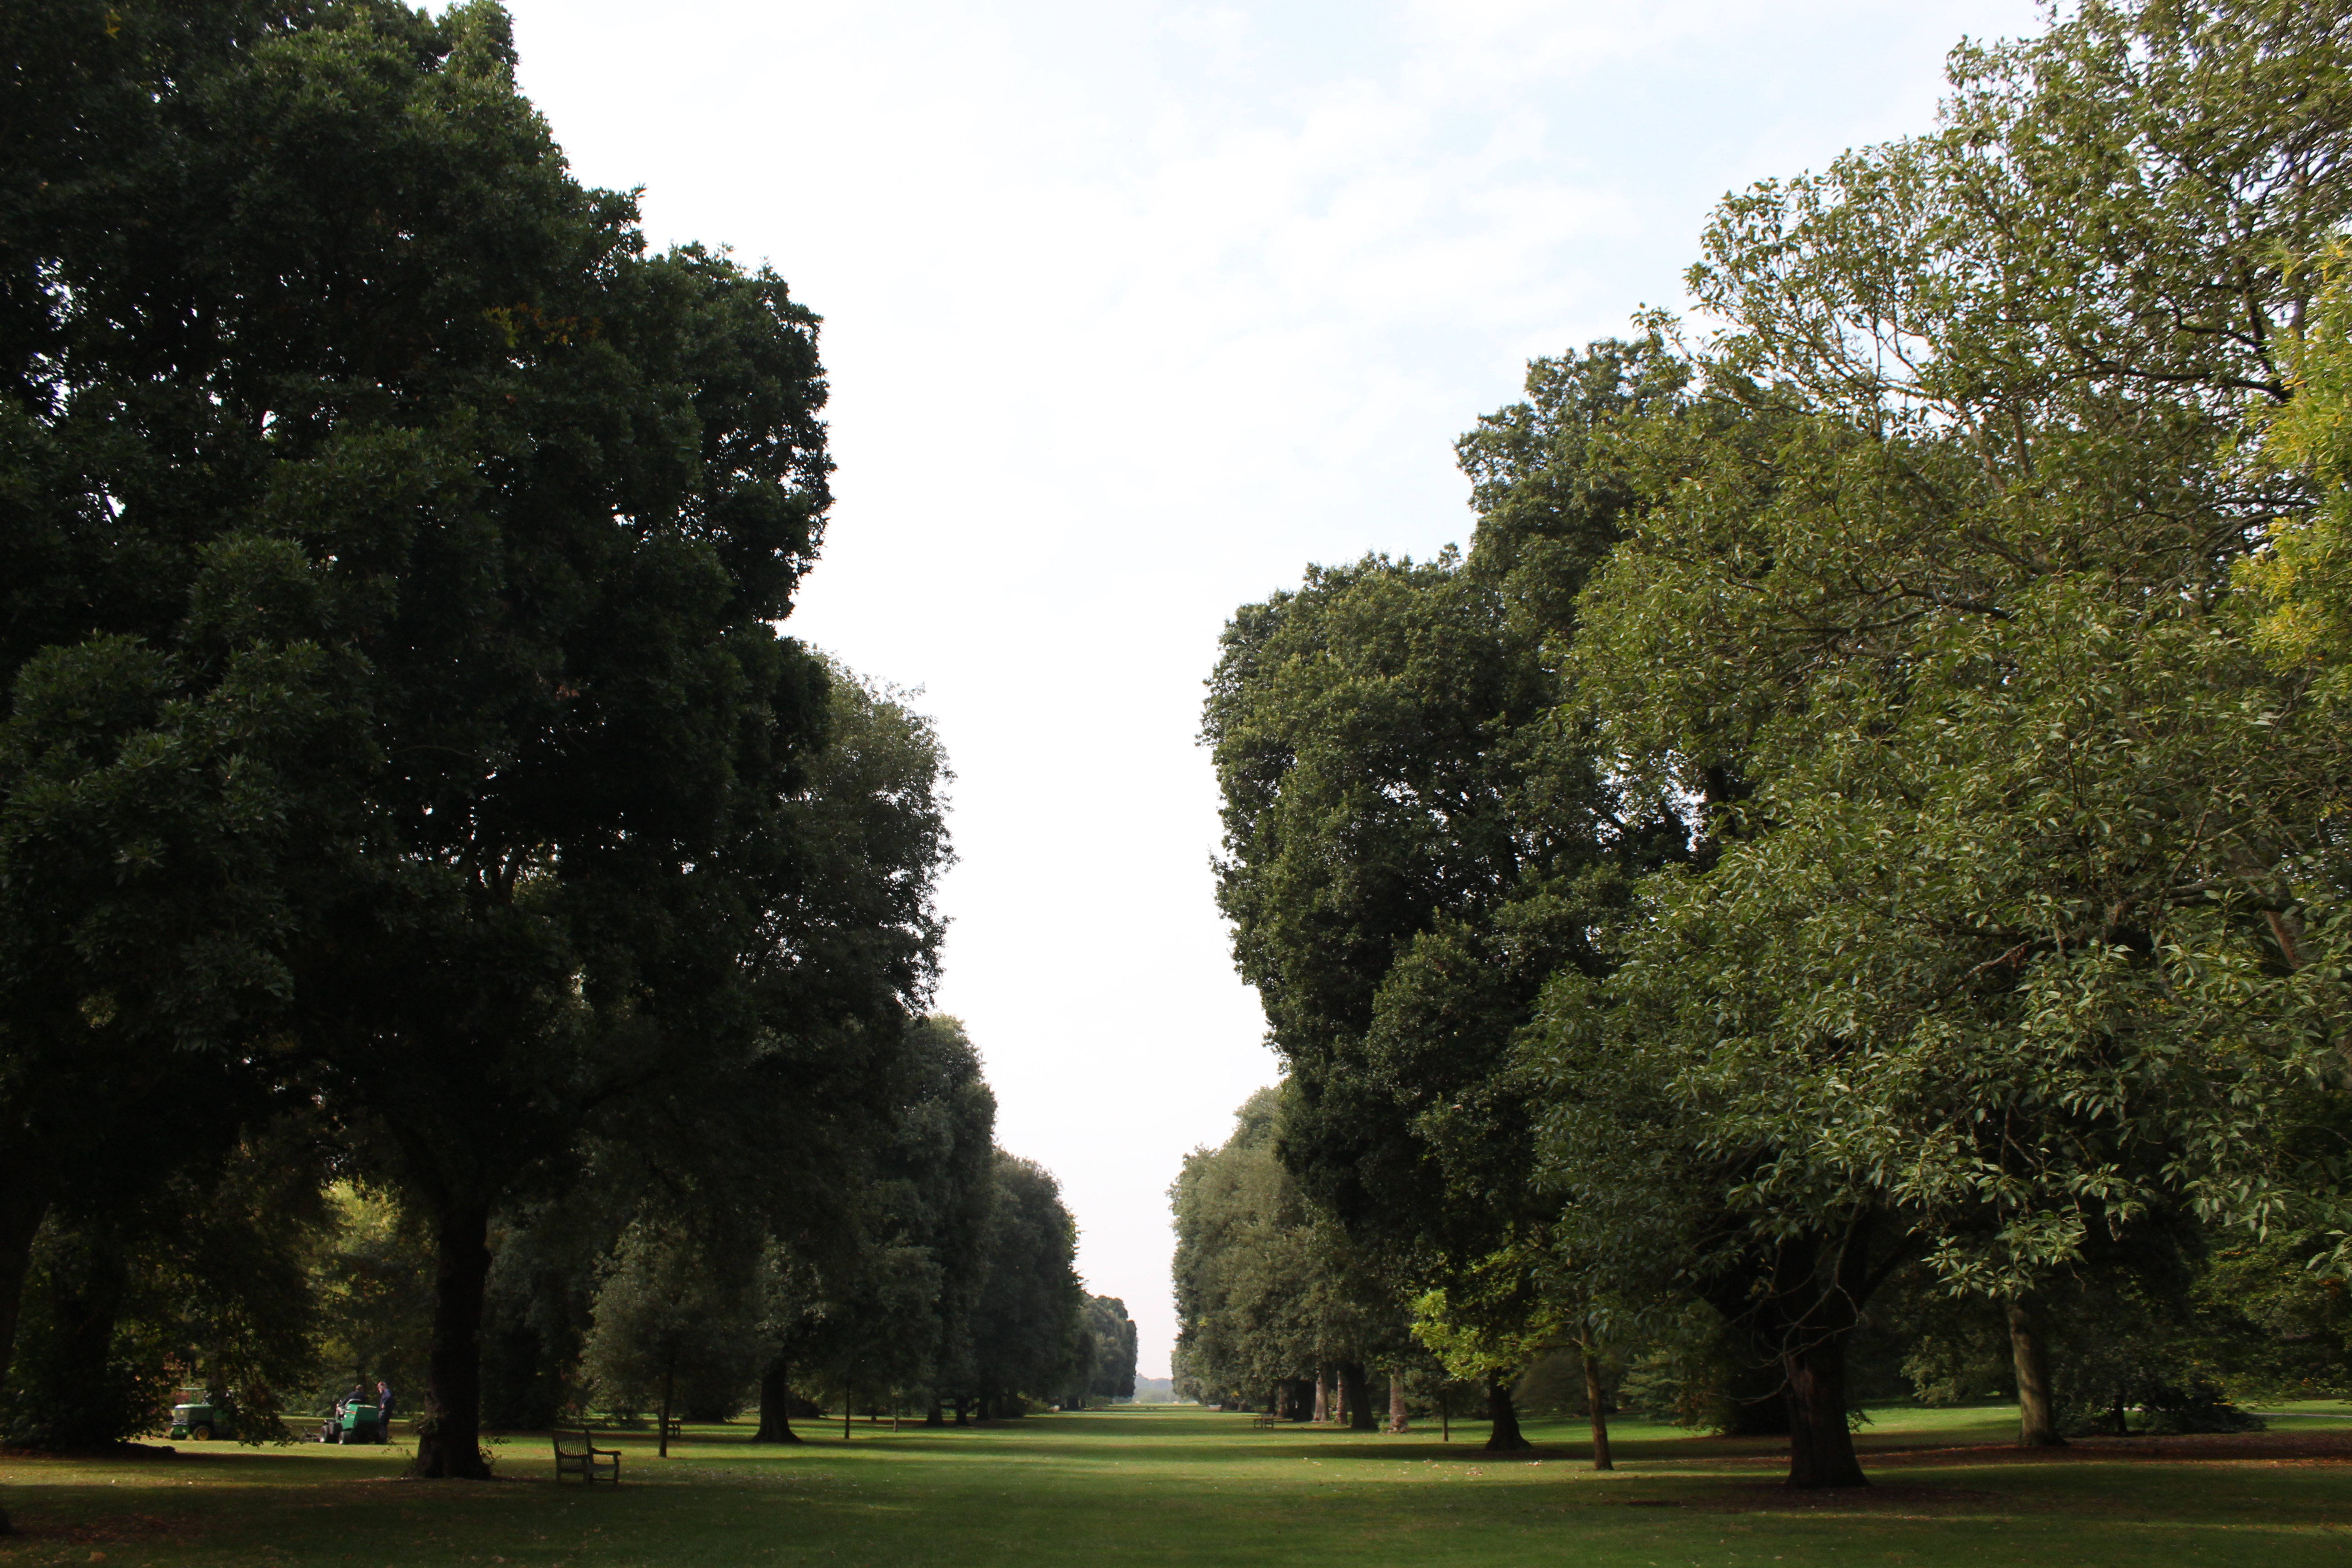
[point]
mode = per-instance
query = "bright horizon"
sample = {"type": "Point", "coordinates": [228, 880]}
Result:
{"type": "Point", "coordinates": [1131, 313]}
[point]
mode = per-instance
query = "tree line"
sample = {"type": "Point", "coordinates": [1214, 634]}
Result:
{"type": "Point", "coordinates": [427, 873]}
{"type": "Point", "coordinates": [1841, 888]}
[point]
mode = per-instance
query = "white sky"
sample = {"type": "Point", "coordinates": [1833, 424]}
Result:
{"type": "Point", "coordinates": [1132, 311]}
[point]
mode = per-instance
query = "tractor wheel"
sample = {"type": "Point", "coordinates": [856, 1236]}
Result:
{"type": "Point", "coordinates": [202, 1433]}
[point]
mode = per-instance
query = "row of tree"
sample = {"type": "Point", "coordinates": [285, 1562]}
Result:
{"type": "Point", "coordinates": [1858, 841]}
{"type": "Point", "coordinates": [411, 816]}
{"type": "Point", "coordinates": [951, 1284]}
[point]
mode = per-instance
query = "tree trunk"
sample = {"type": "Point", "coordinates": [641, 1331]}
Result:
{"type": "Point", "coordinates": [935, 1416]}
{"type": "Point", "coordinates": [1354, 1398]}
{"type": "Point", "coordinates": [1444, 1416]}
{"type": "Point", "coordinates": [776, 1405]}
{"type": "Point", "coordinates": [90, 1278]}
{"type": "Point", "coordinates": [1504, 1435]}
{"type": "Point", "coordinates": [960, 1420]}
{"type": "Point", "coordinates": [1322, 1395]}
{"type": "Point", "coordinates": [24, 1203]}
{"type": "Point", "coordinates": [2037, 1422]}
{"type": "Point", "coordinates": [669, 1383]}
{"type": "Point", "coordinates": [1398, 1420]}
{"type": "Point", "coordinates": [449, 1439]}
{"type": "Point", "coordinates": [1820, 1444]}
{"type": "Point", "coordinates": [1596, 1399]}
{"type": "Point", "coordinates": [1758, 1391]}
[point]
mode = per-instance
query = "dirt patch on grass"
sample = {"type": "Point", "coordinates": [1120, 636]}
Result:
{"type": "Point", "coordinates": [115, 1529]}
{"type": "Point", "coordinates": [1878, 1497]}
{"type": "Point", "coordinates": [2241, 1447]}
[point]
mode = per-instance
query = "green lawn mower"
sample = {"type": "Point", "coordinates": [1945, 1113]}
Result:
{"type": "Point", "coordinates": [356, 1423]}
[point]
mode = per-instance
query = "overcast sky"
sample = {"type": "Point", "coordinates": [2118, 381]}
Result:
{"type": "Point", "coordinates": [1131, 310]}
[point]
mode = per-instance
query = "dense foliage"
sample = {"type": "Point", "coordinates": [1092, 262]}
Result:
{"type": "Point", "coordinates": [448, 934]}
{"type": "Point", "coordinates": [1863, 823]}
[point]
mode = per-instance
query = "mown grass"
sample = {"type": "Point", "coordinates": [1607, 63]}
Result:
{"type": "Point", "coordinates": [1199, 1487]}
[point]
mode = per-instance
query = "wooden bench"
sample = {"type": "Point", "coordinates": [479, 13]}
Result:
{"type": "Point", "coordinates": [1265, 1422]}
{"type": "Point", "coordinates": [587, 1461]}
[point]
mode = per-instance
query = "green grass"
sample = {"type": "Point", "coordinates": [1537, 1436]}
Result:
{"type": "Point", "coordinates": [1188, 1486]}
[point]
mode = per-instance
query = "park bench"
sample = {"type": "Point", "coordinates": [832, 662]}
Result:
{"type": "Point", "coordinates": [587, 1461]}
{"type": "Point", "coordinates": [1263, 1421]}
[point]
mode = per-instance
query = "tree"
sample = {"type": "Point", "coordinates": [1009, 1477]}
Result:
{"type": "Point", "coordinates": [1109, 1372]}
{"type": "Point", "coordinates": [1414, 845]}
{"type": "Point", "coordinates": [1243, 1269]}
{"type": "Point", "coordinates": [1272, 1300]}
{"type": "Point", "coordinates": [1030, 1308]}
{"type": "Point", "coordinates": [472, 515]}
{"type": "Point", "coordinates": [206, 1280]}
{"type": "Point", "coordinates": [673, 1326]}
{"type": "Point", "coordinates": [882, 1301]}
{"type": "Point", "coordinates": [1995, 948]}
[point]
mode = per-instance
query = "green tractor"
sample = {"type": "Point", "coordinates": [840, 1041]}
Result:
{"type": "Point", "coordinates": [202, 1420]}
{"type": "Point", "coordinates": [355, 1423]}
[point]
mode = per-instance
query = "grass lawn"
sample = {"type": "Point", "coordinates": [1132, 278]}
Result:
{"type": "Point", "coordinates": [1189, 1486]}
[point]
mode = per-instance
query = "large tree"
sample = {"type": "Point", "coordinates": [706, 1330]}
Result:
{"type": "Point", "coordinates": [335, 398]}
{"type": "Point", "coordinates": [2000, 948]}
{"type": "Point", "coordinates": [1414, 844]}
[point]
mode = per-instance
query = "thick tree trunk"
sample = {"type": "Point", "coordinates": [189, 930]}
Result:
{"type": "Point", "coordinates": [669, 1385]}
{"type": "Point", "coordinates": [1759, 1396]}
{"type": "Point", "coordinates": [961, 1419]}
{"type": "Point", "coordinates": [1820, 1444]}
{"type": "Point", "coordinates": [1356, 1398]}
{"type": "Point", "coordinates": [1398, 1420]}
{"type": "Point", "coordinates": [1504, 1435]}
{"type": "Point", "coordinates": [449, 1439]}
{"type": "Point", "coordinates": [935, 1416]}
{"type": "Point", "coordinates": [24, 1203]}
{"type": "Point", "coordinates": [2037, 1422]}
{"type": "Point", "coordinates": [1322, 1395]}
{"type": "Point", "coordinates": [776, 1405]}
{"type": "Point", "coordinates": [1596, 1398]}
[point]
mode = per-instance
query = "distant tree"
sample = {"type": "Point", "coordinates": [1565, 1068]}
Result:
{"type": "Point", "coordinates": [1243, 1266]}
{"type": "Point", "coordinates": [673, 1327]}
{"type": "Point", "coordinates": [1270, 1296]}
{"type": "Point", "coordinates": [882, 1301]}
{"type": "Point", "coordinates": [1110, 1341]}
{"type": "Point", "coordinates": [1415, 845]}
{"type": "Point", "coordinates": [373, 1279]}
{"type": "Point", "coordinates": [1031, 1306]}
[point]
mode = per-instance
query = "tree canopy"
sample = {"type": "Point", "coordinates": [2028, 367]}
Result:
{"type": "Point", "coordinates": [1866, 808]}
{"type": "Point", "coordinates": [403, 775]}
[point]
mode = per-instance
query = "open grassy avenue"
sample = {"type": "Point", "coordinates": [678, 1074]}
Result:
{"type": "Point", "coordinates": [1148, 1486]}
